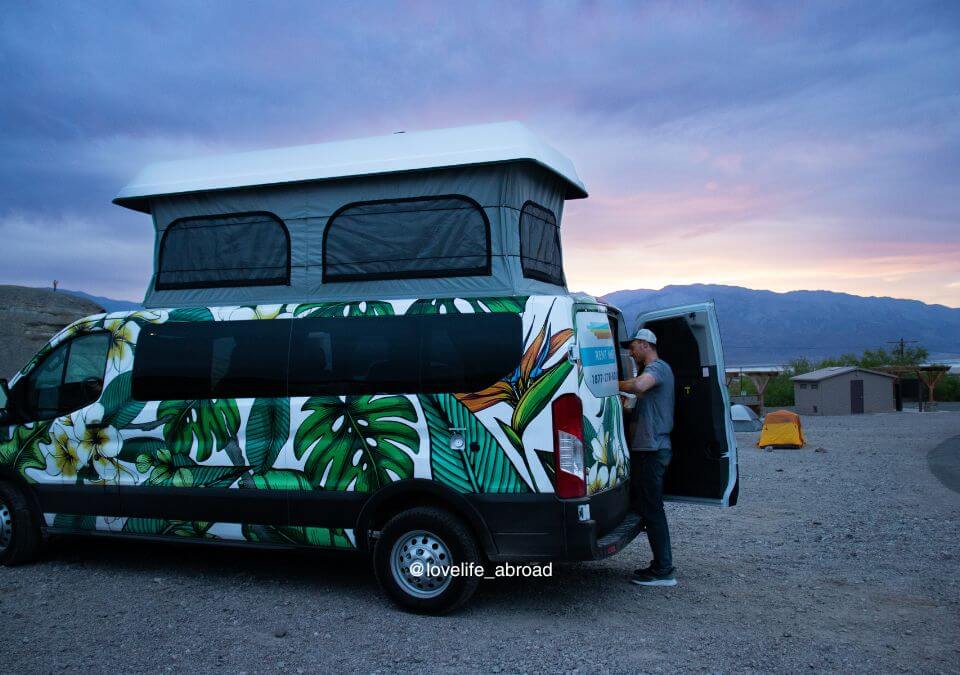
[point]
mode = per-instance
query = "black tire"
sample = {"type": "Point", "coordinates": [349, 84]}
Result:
{"type": "Point", "coordinates": [20, 537]}
{"type": "Point", "coordinates": [450, 532]}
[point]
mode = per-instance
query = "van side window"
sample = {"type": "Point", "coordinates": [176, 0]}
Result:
{"type": "Point", "coordinates": [69, 378]}
{"type": "Point", "coordinates": [468, 352]}
{"type": "Point", "coordinates": [418, 238]}
{"type": "Point", "coordinates": [241, 249]}
{"type": "Point", "coordinates": [403, 354]}
{"type": "Point", "coordinates": [211, 359]}
{"type": "Point", "coordinates": [359, 355]}
{"type": "Point", "coordinates": [540, 255]}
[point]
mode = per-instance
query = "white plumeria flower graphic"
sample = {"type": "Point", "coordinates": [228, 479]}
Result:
{"type": "Point", "coordinates": [100, 442]}
{"type": "Point", "coordinates": [598, 478]}
{"type": "Point", "coordinates": [601, 448]}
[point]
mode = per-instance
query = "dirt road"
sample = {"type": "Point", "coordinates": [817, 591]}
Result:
{"type": "Point", "coordinates": [844, 559]}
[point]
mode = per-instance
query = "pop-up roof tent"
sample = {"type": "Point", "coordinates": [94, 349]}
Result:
{"type": "Point", "coordinates": [466, 212]}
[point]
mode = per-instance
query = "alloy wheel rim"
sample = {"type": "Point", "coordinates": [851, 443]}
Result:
{"type": "Point", "coordinates": [6, 526]}
{"type": "Point", "coordinates": [421, 551]}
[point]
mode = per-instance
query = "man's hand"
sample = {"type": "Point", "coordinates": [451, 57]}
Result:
{"type": "Point", "coordinates": [638, 385]}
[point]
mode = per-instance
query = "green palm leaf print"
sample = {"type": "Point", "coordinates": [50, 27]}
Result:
{"type": "Point", "coordinates": [487, 468]}
{"type": "Point", "coordinates": [268, 428]}
{"type": "Point", "coordinates": [213, 423]}
{"type": "Point", "coordinates": [334, 309]}
{"type": "Point", "coordinates": [357, 442]}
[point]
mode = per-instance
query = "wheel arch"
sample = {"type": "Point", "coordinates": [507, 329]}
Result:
{"type": "Point", "coordinates": [412, 493]}
{"type": "Point", "coordinates": [7, 473]}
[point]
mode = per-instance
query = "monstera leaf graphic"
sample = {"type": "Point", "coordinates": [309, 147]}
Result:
{"type": "Point", "coordinates": [335, 309]}
{"type": "Point", "coordinates": [482, 466]}
{"type": "Point", "coordinates": [159, 527]}
{"type": "Point", "coordinates": [357, 442]}
{"type": "Point", "coordinates": [23, 451]}
{"type": "Point", "coordinates": [268, 428]}
{"type": "Point", "coordinates": [297, 536]}
{"type": "Point", "coordinates": [66, 521]}
{"type": "Point", "coordinates": [176, 470]}
{"type": "Point", "coordinates": [213, 423]}
{"type": "Point", "coordinates": [278, 479]}
{"type": "Point", "coordinates": [190, 314]}
{"type": "Point", "coordinates": [448, 305]}
{"type": "Point", "coordinates": [119, 409]}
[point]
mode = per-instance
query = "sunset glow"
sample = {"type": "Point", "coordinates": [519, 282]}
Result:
{"type": "Point", "coordinates": [781, 147]}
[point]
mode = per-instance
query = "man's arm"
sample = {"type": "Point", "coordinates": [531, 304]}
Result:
{"type": "Point", "coordinates": [639, 385]}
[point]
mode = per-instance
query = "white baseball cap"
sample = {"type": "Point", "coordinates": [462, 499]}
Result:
{"type": "Point", "coordinates": [644, 334]}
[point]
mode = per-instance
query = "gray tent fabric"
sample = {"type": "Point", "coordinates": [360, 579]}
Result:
{"type": "Point", "coordinates": [744, 419]}
{"type": "Point", "coordinates": [407, 239]}
{"type": "Point", "coordinates": [540, 256]}
{"type": "Point", "coordinates": [500, 190]}
{"type": "Point", "coordinates": [236, 250]}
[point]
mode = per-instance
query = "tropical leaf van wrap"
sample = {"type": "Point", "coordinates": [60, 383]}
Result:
{"type": "Point", "coordinates": [319, 443]}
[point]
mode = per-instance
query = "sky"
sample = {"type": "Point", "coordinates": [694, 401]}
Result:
{"type": "Point", "coordinates": [770, 145]}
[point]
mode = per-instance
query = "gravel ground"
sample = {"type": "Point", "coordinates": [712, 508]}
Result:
{"type": "Point", "coordinates": [843, 559]}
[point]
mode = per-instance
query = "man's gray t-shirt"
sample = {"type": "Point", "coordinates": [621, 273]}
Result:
{"type": "Point", "coordinates": [653, 413]}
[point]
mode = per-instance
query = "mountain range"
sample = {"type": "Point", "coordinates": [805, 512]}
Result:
{"type": "Point", "coordinates": [765, 327]}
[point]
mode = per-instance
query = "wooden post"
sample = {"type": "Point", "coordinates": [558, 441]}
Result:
{"type": "Point", "coordinates": [930, 378]}
{"type": "Point", "coordinates": [760, 382]}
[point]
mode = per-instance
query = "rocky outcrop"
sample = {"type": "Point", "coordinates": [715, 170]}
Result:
{"type": "Point", "coordinates": [29, 317]}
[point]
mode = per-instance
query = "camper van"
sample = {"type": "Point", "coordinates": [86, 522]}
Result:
{"type": "Point", "coordinates": [364, 345]}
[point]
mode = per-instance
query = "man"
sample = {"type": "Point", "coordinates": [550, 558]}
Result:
{"type": "Point", "coordinates": [650, 452]}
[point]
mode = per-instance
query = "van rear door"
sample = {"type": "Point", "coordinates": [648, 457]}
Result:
{"type": "Point", "coordinates": [704, 464]}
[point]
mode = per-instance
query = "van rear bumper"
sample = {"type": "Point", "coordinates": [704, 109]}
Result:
{"type": "Point", "coordinates": [541, 527]}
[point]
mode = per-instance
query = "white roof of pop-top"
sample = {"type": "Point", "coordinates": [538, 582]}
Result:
{"type": "Point", "coordinates": [439, 148]}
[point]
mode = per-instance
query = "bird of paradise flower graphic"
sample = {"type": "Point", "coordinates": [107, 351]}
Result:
{"type": "Point", "coordinates": [528, 389]}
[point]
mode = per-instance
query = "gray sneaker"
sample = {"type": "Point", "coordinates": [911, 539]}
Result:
{"type": "Point", "coordinates": [647, 577]}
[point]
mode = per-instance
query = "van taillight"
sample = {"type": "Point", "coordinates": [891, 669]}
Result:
{"type": "Point", "coordinates": [568, 446]}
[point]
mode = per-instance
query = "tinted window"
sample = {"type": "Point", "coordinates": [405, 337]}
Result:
{"type": "Point", "coordinates": [249, 249]}
{"type": "Point", "coordinates": [403, 354]}
{"type": "Point", "coordinates": [540, 255]}
{"type": "Point", "coordinates": [353, 356]}
{"type": "Point", "coordinates": [409, 238]}
{"type": "Point", "coordinates": [69, 378]}
{"type": "Point", "coordinates": [211, 359]}
{"type": "Point", "coordinates": [468, 352]}
{"type": "Point", "coordinates": [87, 360]}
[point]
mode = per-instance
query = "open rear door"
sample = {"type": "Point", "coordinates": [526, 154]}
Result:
{"type": "Point", "coordinates": [704, 465]}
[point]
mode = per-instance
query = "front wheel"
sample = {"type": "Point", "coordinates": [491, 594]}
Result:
{"type": "Point", "coordinates": [414, 556]}
{"type": "Point", "coordinates": [19, 527]}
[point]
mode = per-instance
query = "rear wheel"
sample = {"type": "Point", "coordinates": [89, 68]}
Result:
{"type": "Point", "coordinates": [19, 527]}
{"type": "Point", "coordinates": [413, 557]}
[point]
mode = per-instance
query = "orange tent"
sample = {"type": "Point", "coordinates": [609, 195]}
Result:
{"type": "Point", "coordinates": [781, 429]}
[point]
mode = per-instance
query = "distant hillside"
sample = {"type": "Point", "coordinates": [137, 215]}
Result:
{"type": "Point", "coordinates": [108, 304]}
{"type": "Point", "coordinates": [767, 327]}
{"type": "Point", "coordinates": [29, 317]}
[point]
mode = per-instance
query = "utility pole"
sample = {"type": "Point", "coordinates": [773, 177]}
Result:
{"type": "Point", "coordinates": [901, 347]}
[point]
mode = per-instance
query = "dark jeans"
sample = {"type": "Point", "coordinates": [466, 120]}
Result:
{"type": "Point", "coordinates": [646, 481]}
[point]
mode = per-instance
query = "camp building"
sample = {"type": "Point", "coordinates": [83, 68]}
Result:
{"type": "Point", "coordinates": [843, 390]}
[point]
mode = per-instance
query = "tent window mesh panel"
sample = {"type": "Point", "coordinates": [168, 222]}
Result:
{"type": "Point", "coordinates": [242, 249]}
{"type": "Point", "coordinates": [540, 255]}
{"type": "Point", "coordinates": [407, 239]}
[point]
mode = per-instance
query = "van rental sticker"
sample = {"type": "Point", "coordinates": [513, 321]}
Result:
{"type": "Point", "coordinates": [598, 354]}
